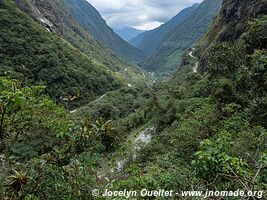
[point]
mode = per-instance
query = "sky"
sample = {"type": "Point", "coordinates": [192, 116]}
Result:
{"type": "Point", "coordinates": [140, 14]}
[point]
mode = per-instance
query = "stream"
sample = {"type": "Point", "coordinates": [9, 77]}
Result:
{"type": "Point", "coordinates": [140, 142]}
{"type": "Point", "coordinates": [196, 65]}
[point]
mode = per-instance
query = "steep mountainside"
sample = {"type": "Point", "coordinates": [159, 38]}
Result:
{"type": "Point", "coordinates": [54, 15]}
{"type": "Point", "coordinates": [150, 41]}
{"type": "Point", "coordinates": [128, 33]}
{"type": "Point", "coordinates": [184, 36]}
{"type": "Point", "coordinates": [232, 21]}
{"type": "Point", "coordinates": [90, 19]}
{"type": "Point", "coordinates": [35, 55]}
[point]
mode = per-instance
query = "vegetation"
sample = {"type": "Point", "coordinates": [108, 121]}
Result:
{"type": "Point", "coordinates": [182, 37]}
{"type": "Point", "coordinates": [229, 25]}
{"type": "Point", "coordinates": [208, 133]}
{"type": "Point", "coordinates": [208, 130]}
{"type": "Point", "coordinates": [64, 24]}
{"type": "Point", "coordinates": [36, 56]}
{"type": "Point", "coordinates": [41, 146]}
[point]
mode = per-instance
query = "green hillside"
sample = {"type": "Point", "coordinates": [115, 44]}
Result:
{"type": "Point", "coordinates": [35, 55]}
{"type": "Point", "coordinates": [56, 16]}
{"type": "Point", "coordinates": [167, 58]}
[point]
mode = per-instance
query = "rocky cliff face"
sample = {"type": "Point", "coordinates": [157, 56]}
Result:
{"type": "Point", "coordinates": [56, 17]}
{"type": "Point", "coordinates": [235, 15]}
{"type": "Point", "coordinates": [230, 24]}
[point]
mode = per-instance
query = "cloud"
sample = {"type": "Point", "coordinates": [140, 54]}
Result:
{"type": "Point", "coordinates": [148, 25]}
{"type": "Point", "coordinates": [142, 14]}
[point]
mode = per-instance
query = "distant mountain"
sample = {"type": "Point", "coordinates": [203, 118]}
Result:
{"type": "Point", "coordinates": [168, 56]}
{"type": "Point", "coordinates": [150, 41]}
{"type": "Point", "coordinates": [128, 33]}
{"type": "Point", "coordinates": [90, 19]}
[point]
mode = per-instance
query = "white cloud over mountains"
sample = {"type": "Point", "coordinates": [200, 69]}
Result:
{"type": "Point", "coordinates": [141, 14]}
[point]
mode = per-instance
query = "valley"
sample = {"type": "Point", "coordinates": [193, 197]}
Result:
{"type": "Point", "coordinates": [85, 110]}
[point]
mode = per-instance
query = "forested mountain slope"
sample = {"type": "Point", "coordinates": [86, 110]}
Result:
{"type": "Point", "coordinates": [90, 19]}
{"type": "Point", "coordinates": [35, 55]}
{"type": "Point", "coordinates": [56, 17]}
{"type": "Point", "coordinates": [233, 20]}
{"type": "Point", "coordinates": [168, 57]}
{"type": "Point", "coordinates": [150, 41]}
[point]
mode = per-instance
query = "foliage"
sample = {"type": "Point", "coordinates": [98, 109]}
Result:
{"type": "Point", "coordinates": [213, 160]}
{"type": "Point", "coordinates": [45, 154]}
{"type": "Point", "coordinates": [25, 116]}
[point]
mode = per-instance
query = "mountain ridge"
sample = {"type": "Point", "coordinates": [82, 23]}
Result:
{"type": "Point", "coordinates": [150, 41]}
{"type": "Point", "coordinates": [128, 33]}
{"type": "Point", "coordinates": [90, 19]}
